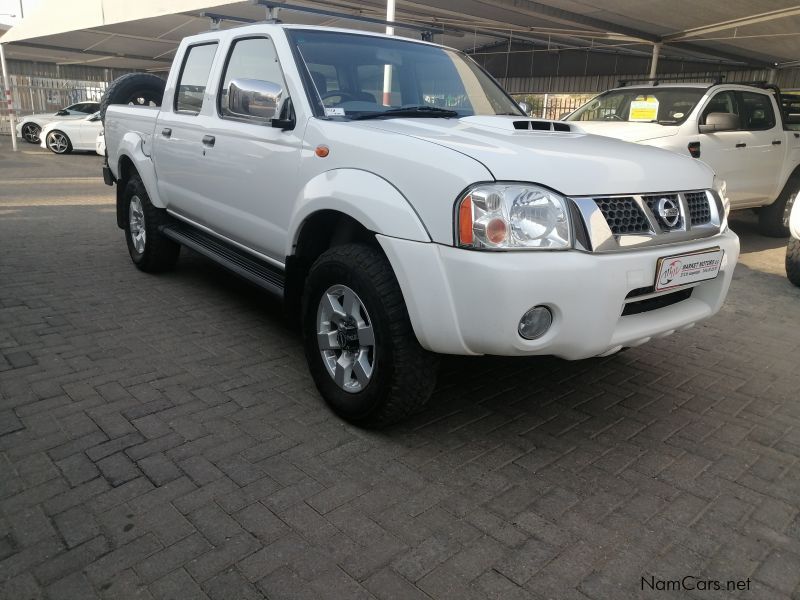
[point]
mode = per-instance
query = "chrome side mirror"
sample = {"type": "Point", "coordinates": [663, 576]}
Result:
{"type": "Point", "coordinates": [255, 99]}
{"type": "Point", "coordinates": [719, 121]}
{"type": "Point", "coordinates": [525, 107]}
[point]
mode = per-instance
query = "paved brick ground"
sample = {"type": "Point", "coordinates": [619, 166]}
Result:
{"type": "Point", "coordinates": [160, 438]}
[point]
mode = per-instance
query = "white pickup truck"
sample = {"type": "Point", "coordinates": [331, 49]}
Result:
{"type": "Point", "coordinates": [403, 205]}
{"type": "Point", "coordinates": [738, 130]}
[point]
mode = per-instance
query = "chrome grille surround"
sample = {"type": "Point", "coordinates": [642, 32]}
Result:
{"type": "Point", "coordinates": [608, 236]}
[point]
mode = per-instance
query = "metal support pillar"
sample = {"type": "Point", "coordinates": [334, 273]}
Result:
{"type": "Point", "coordinates": [9, 101]}
{"type": "Point", "coordinates": [387, 69]}
{"type": "Point", "coordinates": [654, 61]}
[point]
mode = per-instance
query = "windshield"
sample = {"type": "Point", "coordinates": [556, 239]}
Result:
{"type": "Point", "coordinates": [352, 76]}
{"type": "Point", "coordinates": [667, 106]}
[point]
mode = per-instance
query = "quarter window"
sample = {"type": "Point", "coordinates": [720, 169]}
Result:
{"type": "Point", "coordinates": [757, 112]}
{"type": "Point", "coordinates": [250, 58]}
{"type": "Point", "coordinates": [193, 78]}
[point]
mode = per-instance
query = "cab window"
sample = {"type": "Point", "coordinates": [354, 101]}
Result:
{"type": "Point", "coordinates": [193, 77]}
{"type": "Point", "coordinates": [723, 102]}
{"type": "Point", "coordinates": [757, 113]}
{"type": "Point", "coordinates": [250, 58]}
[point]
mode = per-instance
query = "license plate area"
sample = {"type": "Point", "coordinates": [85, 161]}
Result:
{"type": "Point", "coordinates": [691, 267]}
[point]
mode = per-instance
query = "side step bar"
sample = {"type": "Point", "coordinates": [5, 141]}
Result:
{"type": "Point", "coordinates": [258, 272]}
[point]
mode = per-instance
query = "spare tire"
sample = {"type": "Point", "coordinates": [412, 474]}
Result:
{"type": "Point", "coordinates": [140, 89]}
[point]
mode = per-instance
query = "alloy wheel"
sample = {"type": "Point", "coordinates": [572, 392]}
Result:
{"type": "Point", "coordinates": [346, 338]}
{"type": "Point", "coordinates": [137, 225]}
{"type": "Point", "coordinates": [30, 132]}
{"type": "Point", "coordinates": [57, 142]}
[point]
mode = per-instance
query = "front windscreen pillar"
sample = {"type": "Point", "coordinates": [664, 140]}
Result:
{"type": "Point", "coordinates": [654, 61]}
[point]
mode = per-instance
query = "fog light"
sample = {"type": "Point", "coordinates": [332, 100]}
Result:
{"type": "Point", "coordinates": [535, 322]}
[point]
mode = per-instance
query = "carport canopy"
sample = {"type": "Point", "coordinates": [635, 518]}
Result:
{"type": "Point", "coordinates": [144, 34]}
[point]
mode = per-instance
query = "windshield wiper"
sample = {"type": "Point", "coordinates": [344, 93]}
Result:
{"type": "Point", "coordinates": [410, 111]}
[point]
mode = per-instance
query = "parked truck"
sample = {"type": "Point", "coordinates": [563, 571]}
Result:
{"type": "Point", "coordinates": [745, 133]}
{"type": "Point", "coordinates": [398, 200]}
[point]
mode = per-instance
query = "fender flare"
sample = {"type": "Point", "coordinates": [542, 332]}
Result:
{"type": "Point", "coordinates": [366, 197]}
{"type": "Point", "coordinates": [130, 146]}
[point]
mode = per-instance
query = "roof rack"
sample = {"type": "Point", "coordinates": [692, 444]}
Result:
{"type": "Point", "coordinates": [655, 81]}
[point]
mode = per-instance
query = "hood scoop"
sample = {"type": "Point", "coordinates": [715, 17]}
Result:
{"type": "Point", "coordinates": [510, 123]}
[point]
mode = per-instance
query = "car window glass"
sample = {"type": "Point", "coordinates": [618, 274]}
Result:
{"type": "Point", "coordinates": [724, 102]}
{"type": "Point", "coordinates": [757, 111]}
{"type": "Point", "coordinates": [194, 77]}
{"type": "Point", "coordinates": [251, 58]}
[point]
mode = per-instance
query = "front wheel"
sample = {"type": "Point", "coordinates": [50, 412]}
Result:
{"type": "Point", "coordinates": [793, 261]}
{"type": "Point", "coordinates": [151, 251]}
{"type": "Point", "coordinates": [773, 220]}
{"type": "Point", "coordinates": [58, 142]}
{"type": "Point", "coordinates": [361, 350]}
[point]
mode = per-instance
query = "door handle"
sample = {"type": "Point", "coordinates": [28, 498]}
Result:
{"type": "Point", "coordinates": [166, 132]}
{"type": "Point", "coordinates": [776, 142]}
{"type": "Point", "coordinates": [741, 145]}
{"type": "Point", "coordinates": [208, 140]}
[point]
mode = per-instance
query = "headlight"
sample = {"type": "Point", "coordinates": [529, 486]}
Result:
{"type": "Point", "coordinates": [512, 216]}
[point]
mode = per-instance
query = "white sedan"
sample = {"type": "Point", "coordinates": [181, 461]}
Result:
{"type": "Point", "coordinates": [62, 137]}
{"type": "Point", "coordinates": [29, 128]}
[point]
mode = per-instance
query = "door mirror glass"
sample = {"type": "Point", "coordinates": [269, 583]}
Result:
{"type": "Point", "coordinates": [255, 99]}
{"type": "Point", "coordinates": [719, 121]}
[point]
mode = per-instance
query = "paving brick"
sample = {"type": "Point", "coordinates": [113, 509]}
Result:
{"type": "Point", "coordinates": [76, 525]}
{"type": "Point", "coordinates": [159, 469]}
{"type": "Point", "coordinates": [388, 585]}
{"type": "Point", "coordinates": [172, 557]}
{"type": "Point", "coordinates": [231, 584]}
{"type": "Point", "coordinates": [223, 556]}
{"type": "Point", "coordinates": [104, 569]}
{"type": "Point", "coordinates": [118, 469]}
{"type": "Point", "coordinates": [71, 561]}
{"type": "Point", "coordinates": [78, 469]}
{"type": "Point", "coordinates": [177, 584]}
{"type": "Point", "coordinates": [261, 522]}
{"type": "Point", "coordinates": [72, 587]}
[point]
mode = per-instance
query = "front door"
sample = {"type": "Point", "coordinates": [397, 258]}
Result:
{"type": "Point", "coordinates": [250, 175]}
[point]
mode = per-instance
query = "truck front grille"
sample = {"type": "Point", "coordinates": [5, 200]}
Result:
{"type": "Point", "coordinates": [699, 210]}
{"type": "Point", "coordinates": [653, 202]}
{"type": "Point", "coordinates": [623, 215]}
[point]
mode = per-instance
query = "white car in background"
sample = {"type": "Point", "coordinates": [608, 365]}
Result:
{"type": "Point", "coordinates": [29, 128]}
{"type": "Point", "coordinates": [793, 249]}
{"type": "Point", "coordinates": [62, 137]}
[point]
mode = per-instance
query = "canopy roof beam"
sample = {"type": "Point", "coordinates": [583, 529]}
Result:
{"type": "Point", "coordinates": [733, 23]}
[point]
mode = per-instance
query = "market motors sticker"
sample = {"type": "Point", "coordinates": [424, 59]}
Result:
{"type": "Point", "coordinates": [675, 271]}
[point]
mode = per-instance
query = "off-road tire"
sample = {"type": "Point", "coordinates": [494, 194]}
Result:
{"type": "Point", "coordinates": [772, 219]}
{"type": "Point", "coordinates": [141, 89]}
{"type": "Point", "coordinates": [793, 261]}
{"type": "Point", "coordinates": [404, 374]}
{"type": "Point", "coordinates": [160, 253]}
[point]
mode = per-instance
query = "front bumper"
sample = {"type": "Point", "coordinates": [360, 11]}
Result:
{"type": "Point", "coordinates": [470, 302]}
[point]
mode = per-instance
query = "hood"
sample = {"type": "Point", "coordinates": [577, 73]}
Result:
{"type": "Point", "coordinates": [575, 164]}
{"type": "Point", "coordinates": [49, 117]}
{"type": "Point", "coordinates": [624, 130]}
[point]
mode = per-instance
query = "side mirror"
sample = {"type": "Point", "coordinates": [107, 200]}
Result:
{"type": "Point", "coordinates": [62, 113]}
{"type": "Point", "coordinates": [718, 121]}
{"type": "Point", "coordinates": [525, 107]}
{"type": "Point", "coordinates": [255, 99]}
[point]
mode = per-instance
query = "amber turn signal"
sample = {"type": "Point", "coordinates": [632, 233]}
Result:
{"type": "Point", "coordinates": [465, 222]}
{"type": "Point", "coordinates": [322, 151]}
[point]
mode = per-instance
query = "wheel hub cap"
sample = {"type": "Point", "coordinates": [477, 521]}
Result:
{"type": "Point", "coordinates": [345, 338]}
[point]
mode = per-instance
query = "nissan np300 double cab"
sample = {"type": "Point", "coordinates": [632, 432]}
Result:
{"type": "Point", "coordinates": [395, 196]}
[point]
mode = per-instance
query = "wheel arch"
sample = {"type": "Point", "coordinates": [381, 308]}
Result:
{"type": "Point", "coordinates": [131, 160]}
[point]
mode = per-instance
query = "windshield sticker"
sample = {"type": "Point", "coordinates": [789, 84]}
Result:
{"type": "Point", "coordinates": [677, 115]}
{"type": "Point", "coordinates": [644, 108]}
{"type": "Point", "coordinates": [334, 111]}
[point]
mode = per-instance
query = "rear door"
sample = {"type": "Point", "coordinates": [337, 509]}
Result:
{"type": "Point", "coordinates": [179, 148]}
{"type": "Point", "coordinates": [250, 175]}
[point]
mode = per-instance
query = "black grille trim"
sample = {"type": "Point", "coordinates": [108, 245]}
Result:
{"type": "Point", "coordinates": [699, 209]}
{"type": "Point", "coordinates": [648, 304]}
{"type": "Point", "coordinates": [623, 215]}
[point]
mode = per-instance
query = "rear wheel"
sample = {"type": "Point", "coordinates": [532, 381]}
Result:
{"type": "Point", "coordinates": [151, 251]}
{"type": "Point", "coordinates": [360, 347]}
{"type": "Point", "coordinates": [793, 261]}
{"type": "Point", "coordinates": [58, 142]}
{"type": "Point", "coordinates": [30, 132]}
{"type": "Point", "coordinates": [773, 220]}
{"type": "Point", "coordinates": [141, 89]}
